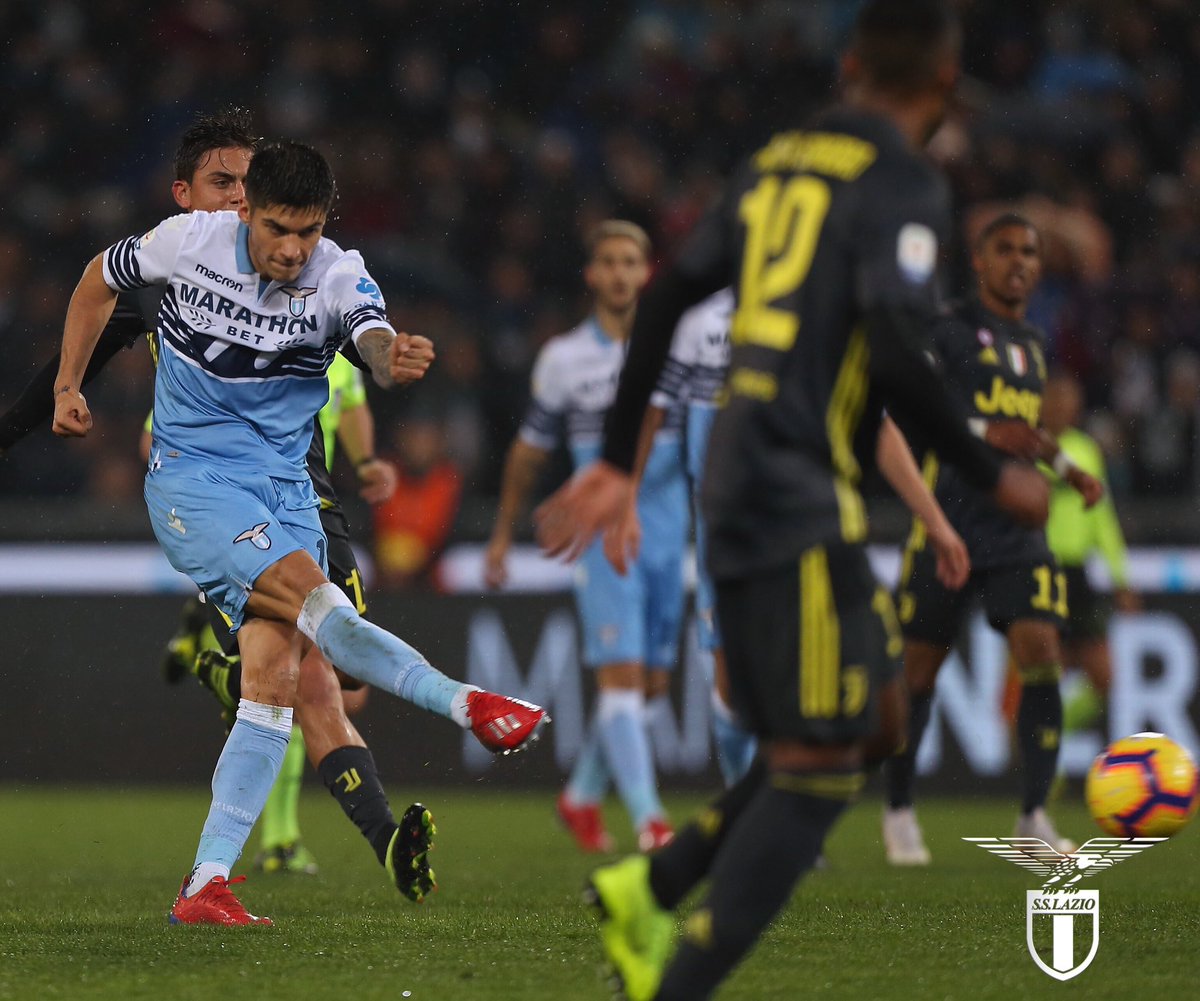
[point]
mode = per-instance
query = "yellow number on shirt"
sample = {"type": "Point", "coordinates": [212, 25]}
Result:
{"type": "Point", "coordinates": [783, 221]}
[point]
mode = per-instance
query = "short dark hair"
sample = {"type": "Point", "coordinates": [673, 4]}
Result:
{"type": "Point", "coordinates": [901, 43]}
{"type": "Point", "coordinates": [292, 175]}
{"type": "Point", "coordinates": [223, 129]}
{"type": "Point", "coordinates": [1003, 221]}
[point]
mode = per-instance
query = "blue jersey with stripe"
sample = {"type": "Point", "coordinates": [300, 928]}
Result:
{"type": "Point", "coordinates": [242, 360]}
{"type": "Point", "coordinates": [574, 383]}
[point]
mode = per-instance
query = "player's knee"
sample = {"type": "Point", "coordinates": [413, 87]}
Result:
{"type": "Point", "coordinates": [318, 604]}
{"type": "Point", "coordinates": [282, 590]}
{"type": "Point", "coordinates": [658, 683]}
{"type": "Point", "coordinates": [921, 665]}
{"type": "Point", "coordinates": [1034, 644]}
{"type": "Point", "coordinates": [622, 675]}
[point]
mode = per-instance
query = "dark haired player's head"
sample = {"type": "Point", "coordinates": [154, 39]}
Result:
{"type": "Point", "coordinates": [211, 161]}
{"type": "Point", "coordinates": [1007, 258]}
{"type": "Point", "coordinates": [289, 192]}
{"type": "Point", "coordinates": [290, 175]}
{"type": "Point", "coordinates": [229, 128]}
{"type": "Point", "coordinates": [903, 60]}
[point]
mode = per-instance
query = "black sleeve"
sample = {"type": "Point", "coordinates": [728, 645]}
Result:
{"type": "Point", "coordinates": [35, 405]}
{"type": "Point", "coordinates": [914, 393]}
{"type": "Point", "coordinates": [702, 267]}
{"type": "Point", "coordinates": [350, 350]}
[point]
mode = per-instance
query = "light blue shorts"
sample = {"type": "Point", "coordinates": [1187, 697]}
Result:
{"type": "Point", "coordinates": [631, 618]}
{"type": "Point", "coordinates": [225, 531]}
{"type": "Point", "coordinates": [707, 630]}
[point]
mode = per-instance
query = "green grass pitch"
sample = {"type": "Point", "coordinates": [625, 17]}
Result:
{"type": "Point", "coordinates": [86, 877]}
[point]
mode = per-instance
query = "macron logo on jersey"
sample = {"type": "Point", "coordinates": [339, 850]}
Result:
{"type": "Point", "coordinates": [212, 275]}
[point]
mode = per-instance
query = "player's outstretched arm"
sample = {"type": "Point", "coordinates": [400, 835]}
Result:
{"type": "Point", "coordinates": [522, 466]}
{"type": "Point", "coordinates": [35, 406]}
{"type": "Point", "coordinates": [377, 477]}
{"type": "Point", "coordinates": [394, 359]}
{"type": "Point", "coordinates": [90, 308]}
{"type": "Point", "coordinates": [896, 462]}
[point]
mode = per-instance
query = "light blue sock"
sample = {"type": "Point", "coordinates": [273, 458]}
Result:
{"type": "Point", "coordinates": [589, 777]}
{"type": "Point", "coordinates": [375, 656]}
{"type": "Point", "coordinates": [736, 746]}
{"type": "Point", "coordinates": [243, 778]}
{"type": "Point", "coordinates": [620, 721]}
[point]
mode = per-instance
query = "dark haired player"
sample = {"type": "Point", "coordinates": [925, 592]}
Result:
{"type": "Point", "coordinates": [211, 162]}
{"type": "Point", "coordinates": [829, 234]}
{"type": "Point", "coordinates": [256, 305]}
{"type": "Point", "coordinates": [993, 361]}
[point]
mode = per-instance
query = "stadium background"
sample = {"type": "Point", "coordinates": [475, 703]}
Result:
{"type": "Point", "coordinates": [474, 144]}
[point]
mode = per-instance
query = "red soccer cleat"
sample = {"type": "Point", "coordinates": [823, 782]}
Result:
{"type": "Point", "coordinates": [502, 724]}
{"type": "Point", "coordinates": [585, 824]}
{"type": "Point", "coordinates": [654, 833]}
{"type": "Point", "coordinates": [214, 904]}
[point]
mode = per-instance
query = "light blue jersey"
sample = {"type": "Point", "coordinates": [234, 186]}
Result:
{"type": "Point", "coordinates": [635, 617]}
{"type": "Point", "coordinates": [694, 375]}
{"type": "Point", "coordinates": [241, 374]}
{"type": "Point", "coordinates": [242, 360]}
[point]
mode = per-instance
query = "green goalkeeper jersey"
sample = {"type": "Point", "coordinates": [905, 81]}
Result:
{"type": "Point", "coordinates": [1073, 532]}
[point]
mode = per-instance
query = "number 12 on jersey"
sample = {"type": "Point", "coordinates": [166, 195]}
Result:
{"type": "Point", "coordinates": [783, 219]}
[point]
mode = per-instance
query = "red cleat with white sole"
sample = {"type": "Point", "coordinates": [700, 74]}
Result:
{"type": "Point", "coordinates": [502, 724]}
{"type": "Point", "coordinates": [654, 833]}
{"type": "Point", "coordinates": [585, 824]}
{"type": "Point", "coordinates": [213, 904]}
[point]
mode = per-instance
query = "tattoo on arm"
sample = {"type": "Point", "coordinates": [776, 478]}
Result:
{"type": "Point", "coordinates": [374, 346]}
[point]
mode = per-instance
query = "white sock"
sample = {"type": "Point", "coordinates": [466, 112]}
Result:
{"type": "Point", "coordinates": [458, 705]}
{"type": "Point", "coordinates": [202, 874]}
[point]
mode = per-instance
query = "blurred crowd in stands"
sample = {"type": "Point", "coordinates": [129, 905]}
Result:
{"type": "Point", "coordinates": [475, 143]}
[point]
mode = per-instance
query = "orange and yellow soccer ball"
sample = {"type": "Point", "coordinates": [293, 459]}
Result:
{"type": "Point", "coordinates": [1143, 786]}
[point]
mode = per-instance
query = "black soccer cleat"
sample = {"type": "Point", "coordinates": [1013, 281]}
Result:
{"type": "Point", "coordinates": [407, 860]}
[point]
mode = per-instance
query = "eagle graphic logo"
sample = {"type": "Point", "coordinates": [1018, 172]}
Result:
{"type": "Point", "coordinates": [256, 536]}
{"type": "Point", "coordinates": [1062, 922]}
{"type": "Point", "coordinates": [1062, 872]}
{"type": "Point", "coordinates": [298, 296]}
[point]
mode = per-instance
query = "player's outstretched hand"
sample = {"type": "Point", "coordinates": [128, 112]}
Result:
{"type": "Point", "coordinates": [953, 561]}
{"type": "Point", "coordinates": [1087, 486]}
{"type": "Point", "coordinates": [72, 418]}
{"type": "Point", "coordinates": [377, 479]}
{"type": "Point", "coordinates": [495, 564]}
{"type": "Point", "coordinates": [623, 541]}
{"type": "Point", "coordinates": [1015, 438]}
{"type": "Point", "coordinates": [591, 501]}
{"type": "Point", "coordinates": [410, 358]}
{"type": "Point", "coordinates": [1024, 493]}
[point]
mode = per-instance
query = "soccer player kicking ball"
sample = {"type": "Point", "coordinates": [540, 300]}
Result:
{"type": "Point", "coordinates": [211, 161]}
{"type": "Point", "coordinates": [829, 234]}
{"type": "Point", "coordinates": [992, 360]}
{"type": "Point", "coordinates": [256, 304]}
